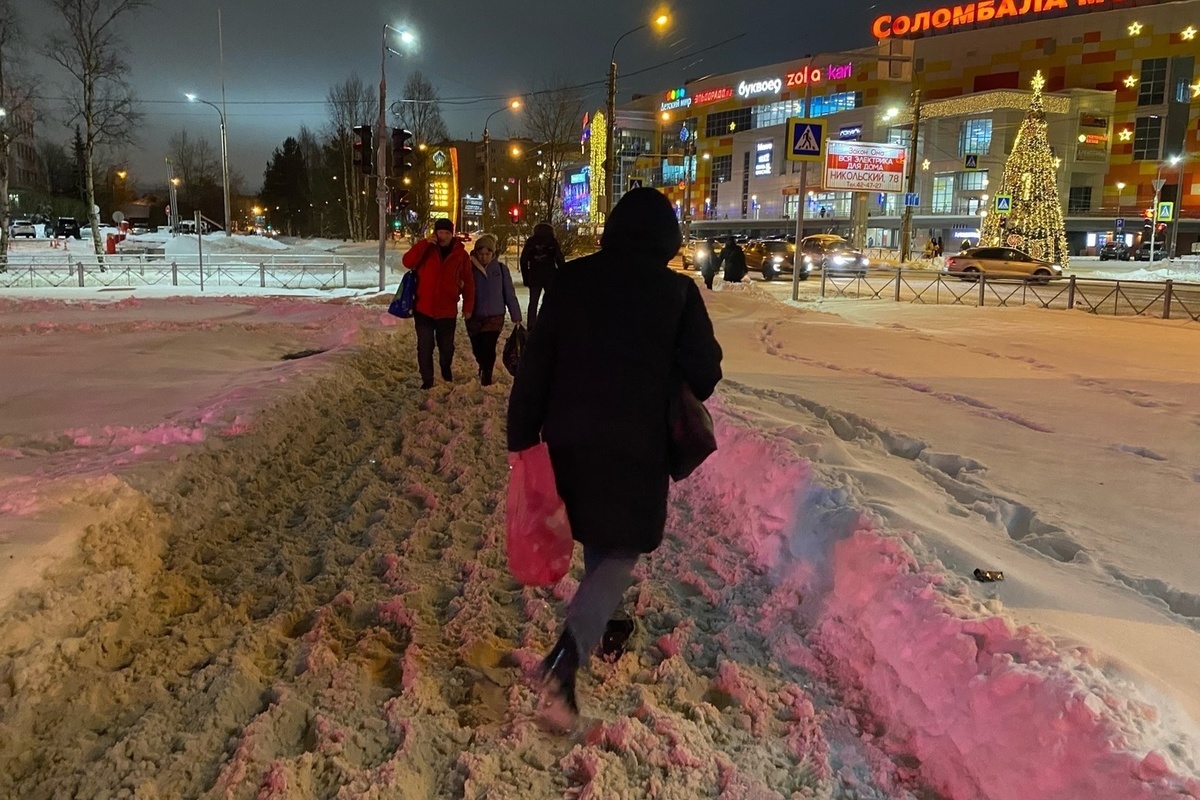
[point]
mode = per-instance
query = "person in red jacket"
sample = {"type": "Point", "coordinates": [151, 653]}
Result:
{"type": "Point", "coordinates": [443, 276]}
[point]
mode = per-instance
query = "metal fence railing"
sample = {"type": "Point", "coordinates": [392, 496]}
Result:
{"type": "Point", "coordinates": [317, 275]}
{"type": "Point", "coordinates": [1165, 299]}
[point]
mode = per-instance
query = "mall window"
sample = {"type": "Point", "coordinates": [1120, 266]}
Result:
{"type": "Point", "coordinates": [723, 123]}
{"type": "Point", "coordinates": [833, 103]}
{"type": "Point", "coordinates": [828, 205]}
{"type": "Point", "coordinates": [1147, 133]}
{"type": "Point", "coordinates": [1152, 82]}
{"type": "Point", "coordinates": [975, 137]}
{"type": "Point", "coordinates": [973, 180]}
{"type": "Point", "coordinates": [722, 172]}
{"type": "Point", "coordinates": [943, 194]}
{"type": "Point", "coordinates": [1080, 200]}
{"type": "Point", "coordinates": [900, 136]}
{"type": "Point", "coordinates": [777, 113]}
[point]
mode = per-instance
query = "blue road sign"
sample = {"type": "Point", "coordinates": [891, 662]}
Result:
{"type": "Point", "coordinates": [635, 183]}
{"type": "Point", "coordinates": [912, 199]}
{"type": "Point", "coordinates": [805, 139]}
{"type": "Point", "coordinates": [1003, 203]}
{"type": "Point", "coordinates": [1120, 223]}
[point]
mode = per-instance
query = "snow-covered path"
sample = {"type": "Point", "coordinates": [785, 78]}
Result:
{"type": "Point", "coordinates": [320, 605]}
{"type": "Point", "coordinates": [313, 601]}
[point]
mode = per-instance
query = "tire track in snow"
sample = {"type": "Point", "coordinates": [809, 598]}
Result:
{"type": "Point", "coordinates": [320, 608]}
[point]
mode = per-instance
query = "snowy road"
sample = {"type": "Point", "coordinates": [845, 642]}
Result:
{"type": "Point", "coordinates": [316, 604]}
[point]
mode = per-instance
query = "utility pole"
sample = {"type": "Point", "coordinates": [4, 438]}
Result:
{"type": "Point", "coordinates": [224, 139]}
{"type": "Point", "coordinates": [381, 193]}
{"type": "Point", "coordinates": [610, 126]}
{"type": "Point", "coordinates": [906, 224]}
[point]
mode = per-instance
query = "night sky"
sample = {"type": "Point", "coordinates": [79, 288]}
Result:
{"type": "Point", "coordinates": [282, 57]}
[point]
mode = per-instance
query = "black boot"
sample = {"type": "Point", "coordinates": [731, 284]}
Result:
{"type": "Point", "coordinates": [616, 636]}
{"type": "Point", "coordinates": [560, 708]}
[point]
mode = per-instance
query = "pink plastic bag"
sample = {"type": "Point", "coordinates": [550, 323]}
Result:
{"type": "Point", "coordinates": [539, 534]}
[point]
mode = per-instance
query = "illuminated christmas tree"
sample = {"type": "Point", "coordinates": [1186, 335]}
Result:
{"type": "Point", "coordinates": [1035, 221]}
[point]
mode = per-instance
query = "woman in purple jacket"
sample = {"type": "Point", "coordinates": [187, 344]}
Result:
{"type": "Point", "coordinates": [493, 294]}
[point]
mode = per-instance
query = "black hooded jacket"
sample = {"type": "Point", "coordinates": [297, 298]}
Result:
{"type": "Point", "coordinates": [600, 367]}
{"type": "Point", "coordinates": [541, 257]}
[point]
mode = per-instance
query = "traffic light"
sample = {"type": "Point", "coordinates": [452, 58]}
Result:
{"type": "Point", "coordinates": [401, 151]}
{"type": "Point", "coordinates": [362, 148]}
{"type": "Point", "coordinates": [515, 213]}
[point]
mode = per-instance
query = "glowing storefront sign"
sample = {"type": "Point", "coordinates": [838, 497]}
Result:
{"type": "Point", "coordinates": [712, 96]}
{"type": "Point", "coordinates": [754, 88]}
{"type": "Point", "coordinates": [763, 154]}
{"type": "Point", "coordinates": [676, 98]}
{"type": "Point", "coordinates": [443, 183]}
{"type": "Point", "coordinates": [966, 15]}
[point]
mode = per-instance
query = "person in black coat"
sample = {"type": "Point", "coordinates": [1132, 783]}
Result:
{"type": "Point", "coordinates": [540, 259]}
{"type": "Point", "coordinates": [614, 340]}
{"type": "Point", "coordinates": [733, 258]}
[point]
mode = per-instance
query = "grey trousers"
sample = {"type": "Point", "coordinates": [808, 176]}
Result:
{"type": "Point", "coordinates": [607, 574]}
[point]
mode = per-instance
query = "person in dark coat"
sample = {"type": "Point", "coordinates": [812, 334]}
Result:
{"type": "Point", "coordinates": [540, 259]}
{"type": "Point", "coordinates": [615, 338]}
{"type": "Point", "coordinates": [708, 266]}
{"type": "Point", "coordinates": [734, 260]}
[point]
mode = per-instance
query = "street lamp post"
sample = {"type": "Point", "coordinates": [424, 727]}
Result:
{"type": "Point", "coordinates": [224, 157]}
{"type": "Point", "coordinates": [515, 105]}
{"type": "Point", "coordinates": [1176, 161]}
{"type": "Point", "coordinates": [172, 182]}
{"type": "Point", "coordinates": [381, 188]}
{"type": "Point", "coordinates": [1120, 192]}
{"type": "Point", "coordinates": [611, 109]}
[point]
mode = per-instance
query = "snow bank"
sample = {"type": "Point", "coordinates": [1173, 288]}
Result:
{"type": "Point", "coordinates": [989, 709]}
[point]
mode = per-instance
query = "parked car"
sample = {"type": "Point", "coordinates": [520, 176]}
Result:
{"type": "Point", "coordinates": [64, 227]}
{"type": "Point", "coordinates": [1004, 262]}
{"type": "Point", "coordinates": [695, 254]}
{"type": "Point", "coordinates": [22, 227]}
{"type": "Point", "coordinates": [832, 255]}
{"type": "Point", "coordinates": [1114, 250]}
{"type": "Point", "coordinates": [773, 257]}
{"type": "Point", "coordinates": [1142, 253]}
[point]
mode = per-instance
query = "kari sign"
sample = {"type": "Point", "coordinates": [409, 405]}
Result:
{"type": "Point", "coordinates": [864, 167]}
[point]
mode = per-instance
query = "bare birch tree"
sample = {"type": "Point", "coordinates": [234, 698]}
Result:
{"type": "Point", "coordinates": [351, 103]}
{"type": "Point", "coordinates": [196, 166]}
{"type": "Point", "coordinates": [90, 49]}
{"type": "Point", "coordinates": [552, 119]}
{"type": "Point", "coordinates": [16, 110]}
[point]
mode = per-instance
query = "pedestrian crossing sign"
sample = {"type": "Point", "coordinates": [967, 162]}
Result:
{"type": "Point", "coordinates": [1003, 203]}
{"type": "Point", "coordinates": [1166, 211]}
{"type": "Point", "coordinates": [971, 161]}
{"type": "Point", "coordinates": [806, 139]}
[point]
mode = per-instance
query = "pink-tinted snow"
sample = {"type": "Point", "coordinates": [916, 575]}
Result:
{"type": "Point", "coordinates": [990, 710]}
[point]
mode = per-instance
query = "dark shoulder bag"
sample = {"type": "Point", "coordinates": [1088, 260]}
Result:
{"type": "Point", "coordinates": [690, 436]}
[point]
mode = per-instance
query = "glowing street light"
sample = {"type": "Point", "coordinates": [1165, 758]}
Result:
{"type": "Point", "coordinates": [513, 105]}
{"type": "Point", "coordinates": [224, 156]}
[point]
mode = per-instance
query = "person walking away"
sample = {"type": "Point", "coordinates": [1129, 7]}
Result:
{"type": "Point", "coordinates": [711, 262]}
{"type": "Point", "coordinates": [493, 294]}
{"type": "Point", "coordinates": [540, 259]}
{"type": "Point", "coordinates": [618, 336]}
{"type": "Point", "coordinates": [734, 259]}
{"type": "Point", "coordinates": [443, 276]}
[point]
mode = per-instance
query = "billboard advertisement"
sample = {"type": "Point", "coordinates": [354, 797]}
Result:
{"type": "Point", "coordinates": [864, 166]}
{"type": "Point", "coordinates": [443, 183]}
{"type": "Point", "coordinates": [576, 198]}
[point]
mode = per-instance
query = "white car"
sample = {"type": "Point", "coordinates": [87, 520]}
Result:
{"type": "Point", "coordinates": [22, 227]}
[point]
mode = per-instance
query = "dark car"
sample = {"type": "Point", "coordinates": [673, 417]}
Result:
{"type": "Point", "coordinates": [1114, 251]}
{"type": "Point", "coordinates": [833, 255]}
{"type": "Point", "coordinates": [66, 226]}
{"type": "Point", "coordinates": [1143, 251]}
{"type": "Point", "coordinates": [773, 257]}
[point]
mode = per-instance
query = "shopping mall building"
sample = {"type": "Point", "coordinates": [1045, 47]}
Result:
{"type": "Point", "coordinates": [1122, 99]}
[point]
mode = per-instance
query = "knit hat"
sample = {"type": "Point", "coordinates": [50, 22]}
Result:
{"type": "Point", "coordinates": [486, 240]}
{"type": "Point", "coordinates": [443, 224]}
{"type": "Point", "coordinates": [643, 220]}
